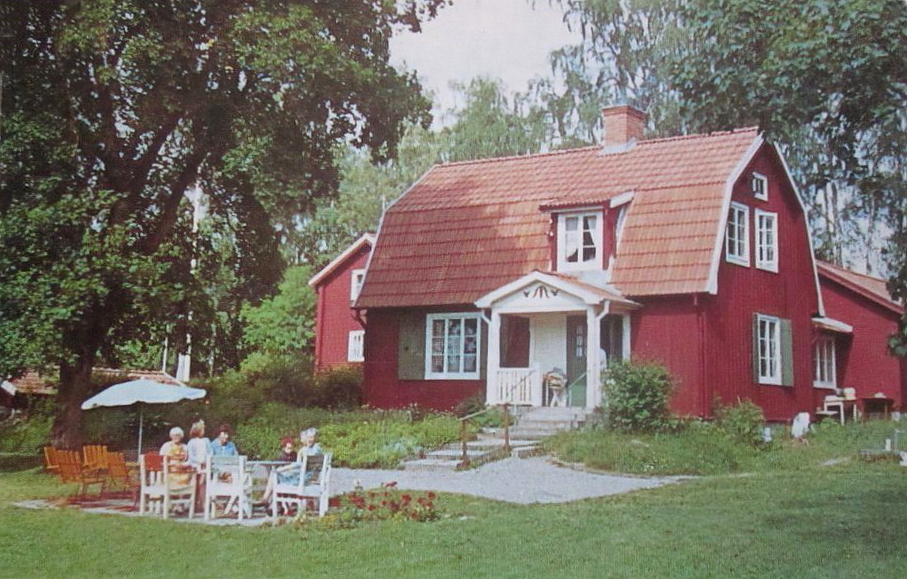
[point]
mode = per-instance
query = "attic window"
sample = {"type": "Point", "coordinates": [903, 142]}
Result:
{"type": "Point", "coordinates": [759, 186]}
{"type": "Point", "coordinates": [579, 241]}
{"type": "Point", "coordinates": [356, 280]}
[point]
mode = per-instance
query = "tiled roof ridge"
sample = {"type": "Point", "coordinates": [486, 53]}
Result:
{"type": "Point", "coordinates": [589, 148]}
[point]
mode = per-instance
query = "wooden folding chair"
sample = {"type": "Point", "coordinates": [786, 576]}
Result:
{"type": "Point", "coordinates": [51, 461]}
{"type": "Point", "coordinates": [73, 471]}
{"type": "Point", "coordinates": [118, 476]}
{"type": "Point", "coordinates": [95, 456]}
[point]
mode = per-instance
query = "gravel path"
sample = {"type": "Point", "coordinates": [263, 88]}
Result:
{"type": "Point", "coordinates": [516, 480]}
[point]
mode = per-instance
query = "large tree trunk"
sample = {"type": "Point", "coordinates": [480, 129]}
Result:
{"type": "Point", "coordinates": [75, 385]}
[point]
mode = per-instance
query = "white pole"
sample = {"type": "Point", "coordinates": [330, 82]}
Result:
{"type": "Point", "coordinates": [141, 420]}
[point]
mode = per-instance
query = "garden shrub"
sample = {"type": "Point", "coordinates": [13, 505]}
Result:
{"type": "Point", "coordinates": [493, 418]}
{"type": "Point", "coordinates": [25, 436]}
{"type": "Point", "coordinates": [637, 397]}
{"type": "Point", "coordinates": [742, 422]}
{"type": "Point", "coordinates": [339, 387]}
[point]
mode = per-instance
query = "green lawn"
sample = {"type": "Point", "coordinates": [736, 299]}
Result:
{"type": "Point", "coordinates": [847, 520]}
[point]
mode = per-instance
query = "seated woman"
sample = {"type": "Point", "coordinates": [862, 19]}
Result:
{"type": "Point", "coordinates": [222, 445]}
{"type": "Point", "coordinates": [178, 455]}
{"type": "Point", "coordinates": [199, 446]}
{"type": "Point", "coordinates": [289, 474]}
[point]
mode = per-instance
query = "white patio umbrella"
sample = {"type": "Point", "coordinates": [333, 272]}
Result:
{"type": "Point", "coordinates": [142, 391]}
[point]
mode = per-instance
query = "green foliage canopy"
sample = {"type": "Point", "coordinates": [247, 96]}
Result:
{"type": "Point", "coordinates": [114, 109]}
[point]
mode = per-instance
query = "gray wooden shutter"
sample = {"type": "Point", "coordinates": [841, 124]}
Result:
{"type": "Point", "coordinates": [787, 354]}
{"type": "Point", "coordinates": [411, 347]}
{"type": "Point", "coordinates": [756, 348]}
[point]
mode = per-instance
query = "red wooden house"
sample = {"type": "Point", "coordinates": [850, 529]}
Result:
{"type": "Point", "coordinates": [856, 356]}
{"type": "Point", "coordinates": [489, 277]}
{"type": "Point", "coordinates": [339, 330]}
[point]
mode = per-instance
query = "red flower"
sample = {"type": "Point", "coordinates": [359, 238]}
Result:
{"type": "Point", "coordinates": [431, 496]}
{"type": "Point", "coordinates": [371, 507]}
{"type": "Point", "coordinates": [406, 498]}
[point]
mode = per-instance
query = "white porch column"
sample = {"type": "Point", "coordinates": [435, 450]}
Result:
{"type": "Point", "coordinates": [593, 380]}
{"type": "Point", "coordinates": [494, 358]}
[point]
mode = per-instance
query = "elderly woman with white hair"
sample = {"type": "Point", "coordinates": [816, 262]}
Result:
{"type": "Point", "coordinates": [178, 455]}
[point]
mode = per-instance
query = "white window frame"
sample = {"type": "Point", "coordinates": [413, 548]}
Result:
{"type": "Point", "coordinates": [452, 373]}
{"type": "Point", "coordinates": [767, 253]}
{"type": "Point", "coordinates": [357, 278]}
{"type": "Point", "coordinates": [825, 362]}
{"type": "Point", "coordinates": [597, 238]}
{"type": "Point", "coordinates": [355, 349]}
{"type": "Point", "coordinates": [740, 255]}
{"type": "Point", "coordinates": [759, 186]}
{"type": "Point", "coordinates": [769, 359]}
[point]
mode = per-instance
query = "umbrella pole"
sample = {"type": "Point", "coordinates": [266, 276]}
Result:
{"type": "Point", "coordinates": [141, 420]}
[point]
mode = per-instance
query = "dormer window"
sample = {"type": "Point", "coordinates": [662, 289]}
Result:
{"type": "Point", "coordinates": [579, 241]}
{"type": "Point", "coordinates": [759, 186]}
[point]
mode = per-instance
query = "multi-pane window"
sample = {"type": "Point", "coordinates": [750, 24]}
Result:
{"type": "Point", "coordinates": [580, 241]}
{"type": "Point", "coordinates": [454, 344]}
{"type": "Point", "coordinates": [356, 280]}
{"type": "Point", "coordinates": [355, 351]}
{"type": "Point", "coordinates": [759, 185]}
{"type": "Point", "coordinates": [737, 236]}
{"type": "Point", "coordinates": [767, 240]}
{"type": "Point", "coordinates": [768, 347]}
{"type": "Point", "coordinates": [824, 361]}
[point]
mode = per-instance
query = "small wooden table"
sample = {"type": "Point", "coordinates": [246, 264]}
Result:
{"type": "Point", "coordinates": [878, 405]}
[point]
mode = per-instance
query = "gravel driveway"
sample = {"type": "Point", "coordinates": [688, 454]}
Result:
{"type": "Point", "coordinates": [516, 480]}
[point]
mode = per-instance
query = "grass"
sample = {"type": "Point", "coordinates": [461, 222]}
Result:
{"type": "Point", "coordinates": [812, 521]}
{"type": "Point", "coordinates": [703, 450]}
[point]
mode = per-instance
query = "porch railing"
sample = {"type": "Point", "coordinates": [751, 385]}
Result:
{"type": "Point", "coordinates": [520, 386]}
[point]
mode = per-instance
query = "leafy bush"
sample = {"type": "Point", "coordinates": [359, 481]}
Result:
{"type": "Point", "coordinates": [743, 421]}
{"type": "Point", "coordinates": [637, 397]}
{"type": "Point", "coordinates": [492, 418]}
{"type": "Point", "coordinates": [26, 435]}
{"type": "Point", "coordinates": [339, 387]}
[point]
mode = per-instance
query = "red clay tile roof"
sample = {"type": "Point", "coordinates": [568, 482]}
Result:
{"type": "Point", "coordinates": [35, 383]}
{"type": "Point", "coordinates": [874, 288]}
{"type": "Point", "coordinates": [467, 228]}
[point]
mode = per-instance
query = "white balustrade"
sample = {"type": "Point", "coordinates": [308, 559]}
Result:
{"type": "Point", "coordinates": [519, 386]}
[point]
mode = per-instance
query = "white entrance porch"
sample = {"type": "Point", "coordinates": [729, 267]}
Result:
{"type": "Point", "coordinates": [549, 337]}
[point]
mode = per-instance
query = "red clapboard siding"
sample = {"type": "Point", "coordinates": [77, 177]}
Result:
{"type": "Point", "coordinates": [743, 291]}
{"type": "Point", "coordinates": [382, 388]}
{"type": "Point", "coordinates": [334, 317]}
{"type": "Point", "coordinates": [863, 359]}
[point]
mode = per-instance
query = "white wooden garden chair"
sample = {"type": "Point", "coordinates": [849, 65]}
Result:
{"type": "Point", "coordinates": [226, 478]}
{"type": "Point", "coordinates": [313, 485]}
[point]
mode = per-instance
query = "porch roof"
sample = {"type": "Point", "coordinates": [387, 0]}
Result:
{"type": "Point", "coordinates": [589, 294]}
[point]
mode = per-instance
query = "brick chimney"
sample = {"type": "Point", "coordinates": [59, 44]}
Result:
{"type": "Point", "coordinates": [621, 124]}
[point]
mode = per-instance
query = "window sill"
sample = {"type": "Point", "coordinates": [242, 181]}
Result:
{"type": "Point", "coordinates": [737, 261]}
{"type": "Point", "coordinates": [824, 386]}
{"type": "Point", "coordinates": [772, 268]}
{"type": "Point", "coordinates": [765, 382]}
{"type": "Point", "coordinates": [452, 377]}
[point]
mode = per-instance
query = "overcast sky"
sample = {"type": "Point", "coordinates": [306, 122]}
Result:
{"type": "Point", "coordinates": [505, 39]}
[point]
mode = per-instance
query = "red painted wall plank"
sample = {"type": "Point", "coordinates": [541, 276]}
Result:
{"type": "Point", "coordinates": [863, 359]}
{"type": "Point", "coordinates": [334, 319]}
{"type": "Point", "coordinates": [382, 388]}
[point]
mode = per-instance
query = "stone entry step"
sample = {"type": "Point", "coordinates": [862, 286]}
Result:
{"type": "Point", "coordinates": [530, 427]}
